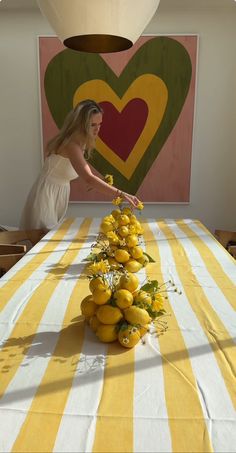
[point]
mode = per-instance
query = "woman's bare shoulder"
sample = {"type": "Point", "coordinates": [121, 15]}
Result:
{"type": "Point", "coordinates": [70, 149]}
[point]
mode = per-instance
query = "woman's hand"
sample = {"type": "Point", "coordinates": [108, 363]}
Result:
{"type": "Point", "coordinates": [134, 201]}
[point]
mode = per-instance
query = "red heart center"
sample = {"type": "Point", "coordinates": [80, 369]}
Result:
{"type": "Point", "coordinates": [121, 130]}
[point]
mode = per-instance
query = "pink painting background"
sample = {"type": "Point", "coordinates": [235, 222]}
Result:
{"type": "Point", "coordinates": [168, 180]}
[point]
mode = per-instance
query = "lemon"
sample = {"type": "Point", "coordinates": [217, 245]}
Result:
{"type": "Point", "coordinates": [133, 219]}
{"type": "Point", "coordinates": [123, 231]}
{"type": "Point", "coordinates": [136, 252]}
{"type": "Point", "coordinates": [113, 263]}
{"type": "Point", "coordinates": [101, 295]}
{"type": "Point", "coordinates": [108, 218]}
{"type": "Point", "coordinates": [107, 332]}
{"type": "Point", "coordinates": [123, 298]}
{"type": "Point", "coordinates": [132, 229]}
{"type": "Point", "coordinates": [94, 323]}
{"type": "Point", "coordinates": [127, 211]}
{"type": "Point", "coordinates": [131, 240]}
{"type": "Point", "coordinates": [129, 281]}
{"type": "Point", "coordinates": [107, 314]}
{"type": "Point", "coordinates": [88, 306]}
{"type": "Point", "coordinates": [143, 260]}
{"type": "Point", "coordinates": [136, 315]}
{"type": "Point", "coordinates": [97, 281]}
{"type": "Point", "coordinates": [143, 330]}
{"type": "Point", "coordinates": [139, 228]}
{"type": "Point", "coordinates": [121, 255]}
{"type": "Point", "coordinates": [142, 297]}
{"type": "Point", "coordinates": [106, 226]}
{"type": "Point", "coordinates": [113, 240]}
{"type": "Point", "coordinates": [129, 337]}
{"type": "Point", "coordinates": [133, 266]}
{"type": "Point", "coordinates": [123, 219]}
{"type": "Point", "coordinates": [115, 213]}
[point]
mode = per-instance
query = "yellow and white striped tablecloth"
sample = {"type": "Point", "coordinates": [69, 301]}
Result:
{"type": "Point", "coordinates": [63, 391]}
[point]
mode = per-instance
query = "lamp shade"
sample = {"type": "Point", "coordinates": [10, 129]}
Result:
{"type": "Point", "coordinates": [98, 25]}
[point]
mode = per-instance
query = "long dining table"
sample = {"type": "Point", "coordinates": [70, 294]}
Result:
{"type": "Point", "coordinates": [62, 390]}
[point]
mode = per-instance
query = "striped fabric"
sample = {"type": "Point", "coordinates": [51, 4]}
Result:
{"type": "Point", "coordinates": [63, 391]}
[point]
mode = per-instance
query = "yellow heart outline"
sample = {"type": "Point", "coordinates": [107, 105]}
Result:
{"type": "Point", "coordinates": [148, 87]}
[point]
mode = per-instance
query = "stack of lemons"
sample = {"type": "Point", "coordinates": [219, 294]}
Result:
{"type": "Point", "coordinates": [123, 312]}
{"type": "Point", "coordinates": [122, 231]}
{"type": "Point", "coordinates": [116, 308]}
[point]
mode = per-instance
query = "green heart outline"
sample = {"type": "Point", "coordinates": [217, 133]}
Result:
{"type": "Point", "coordinates": [161, 56]}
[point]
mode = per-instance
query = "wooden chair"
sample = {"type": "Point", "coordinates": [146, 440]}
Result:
{"type": "Point", "coordinates": [14, 244]}
{"type": "Point", "coordinates": [9, 255]}
{"type": "Point", "coordinates": [232, 250]}
{"type": "Point", "coordinates": [29, 237]}
{"type": "Point", "coordinates": [228, 240]}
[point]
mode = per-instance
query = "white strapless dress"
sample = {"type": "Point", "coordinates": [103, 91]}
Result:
{"type": "Point", "coordinates": [48, 199]}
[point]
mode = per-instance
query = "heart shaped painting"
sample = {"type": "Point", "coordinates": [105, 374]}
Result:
{"type": "Point", "coordinates": [143, 93]}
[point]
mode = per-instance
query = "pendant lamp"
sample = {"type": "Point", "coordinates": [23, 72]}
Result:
{"type": "Point", "coordinates": [98, 25]}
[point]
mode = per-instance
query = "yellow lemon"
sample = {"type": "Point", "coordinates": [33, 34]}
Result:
{"type": "Point", "coordinates": [129, 337]}
{"type": "Point", "coordinates": [107, 332]}
{"type": "Point", "coordinates": [143, 330]}
{"type": "Point", "coordinates": [139, 228]}
{"type": "Point", "coordinates": [123, 298]}
{"type": "Point", "coordinates": [107, 314]}
{"type": "Point", "coordinates": [113, 240]}
{"type": "Point", "coordinates": [131, 240]}
{"type": "Point", "coordinates": [121, 255]}
{"type": "Point", "coordinates": [113, 263]}
{"type": "Point", "coordinates": [97, 281]}
{"type": "Point", "coordinates": [127, 211]}
{"type": "Point", "coordinates": [133, 219]}
{"type": "Point", "coordinates": [129, 281]}
{"type": "Point", "coordinates": [132, 229]}
{"type": "Point", "coordinates": [88, 306]}
{"type": "Point", "coordinates": [123, 219]}
{"type": "Point", "coordinates": [94, 323]}
{"type": "Point", "coordinates": [143, 260]}
{"type": "Point", "coordinates": [142, 298]}
{"type": "Point", "coordinates": [106, 226]}
{"type": "Point", "coordinates": [123, 231]}
{"type": "Point", "coordinates": [101, 295]}
{"type": "Point", "coordinates": [136, 315]}
{"type": "Point", "coordinates": [108, 218]}
{"type": "Point", "coordinates": [115, 213]}
{"type": "Point", "coordinates": [133, 266]}
{"type": "Point", "coordinates": [136, 252]}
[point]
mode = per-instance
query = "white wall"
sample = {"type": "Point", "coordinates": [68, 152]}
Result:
{"type": "Point", "coordinates": [213, 181]}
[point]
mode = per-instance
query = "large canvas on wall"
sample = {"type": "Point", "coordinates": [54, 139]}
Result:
{"type": "Point", "coordinates": [147, 94]}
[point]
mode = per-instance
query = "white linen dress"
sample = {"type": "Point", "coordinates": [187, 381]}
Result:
{"type": "Point", "coordinates": [48, 199]}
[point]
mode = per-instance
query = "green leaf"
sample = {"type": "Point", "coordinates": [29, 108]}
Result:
{"type": "Point", "coordinates": [151, 286]}
{"type": "Point", "coordinates": [123, 325]}
{"type": "Point", "coordinates": [151, 260]}
{"type": "Point", "coordinates": [112, 302]}
{"type": "Point", "coordinates": [90, 257]}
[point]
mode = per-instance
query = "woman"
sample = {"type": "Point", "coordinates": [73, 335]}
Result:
{"type": "Point", "coordinates": [47, 202]}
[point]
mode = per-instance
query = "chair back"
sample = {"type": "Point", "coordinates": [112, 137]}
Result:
{"type": "Point", "coordinates": [14, 245]}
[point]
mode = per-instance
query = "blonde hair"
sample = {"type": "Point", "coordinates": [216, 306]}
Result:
{"type": "Point", "coordinates": [77, 121]}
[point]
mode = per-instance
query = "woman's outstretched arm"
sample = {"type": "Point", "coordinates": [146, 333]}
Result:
{"type": "Point", "coordinates": [82, 168]}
